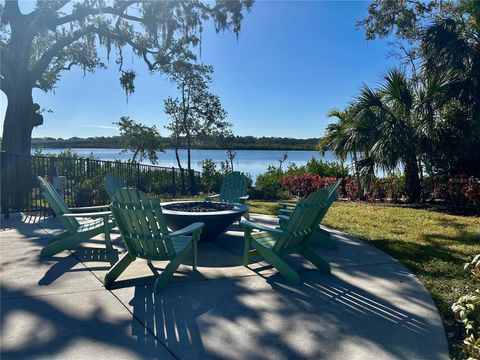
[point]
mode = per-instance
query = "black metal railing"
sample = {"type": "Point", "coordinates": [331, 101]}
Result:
{"type": "Point", "coordinates": [83, 186]}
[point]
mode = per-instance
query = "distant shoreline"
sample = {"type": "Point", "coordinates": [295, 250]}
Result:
{"type": "Point", "coordinates": [120, 149]}
{"type": "Point", "coordinates": [237, 143]}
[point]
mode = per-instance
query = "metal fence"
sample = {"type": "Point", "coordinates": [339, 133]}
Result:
{"type": "Point", "coordinates": [20, 190]}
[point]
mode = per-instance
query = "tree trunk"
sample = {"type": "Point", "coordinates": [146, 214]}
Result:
{"type": "Point", "coordinates": [16, 143]}
{"type": "Point", "coordinates": [189, 164]}
{"type": "Point", "coordinates": [18, 124]}
{"type": "Point", "coordinates": [189, 144]}
{"type": "Point", "coordinates": [412, 179]}
{"type": "Point", "coordinates": [182, 173]}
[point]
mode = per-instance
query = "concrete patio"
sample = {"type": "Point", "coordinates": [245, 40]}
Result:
{"type": "Point", "coordinates": [371, 307]}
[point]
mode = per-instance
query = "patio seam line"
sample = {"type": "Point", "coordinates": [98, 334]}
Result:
{"type": "Point", "coordinates": [122, 304]}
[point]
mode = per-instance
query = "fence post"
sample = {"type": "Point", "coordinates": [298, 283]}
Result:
{"type": "Point", "coordinates": [174, 190]}
{"type": "Point", "coordinates": [138, 176]}
{"type": "Point", "coordinates": [88, 168]}
{"type": "Point", "coordinates": [53, 169]}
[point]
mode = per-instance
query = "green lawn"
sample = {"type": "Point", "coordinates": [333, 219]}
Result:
{"type": "Point", "coordinates": [433, 245]}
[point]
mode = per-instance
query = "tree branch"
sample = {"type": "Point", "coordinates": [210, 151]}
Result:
{"type": "Point", "coordinates": [82, 14]}
{"type": "Point", "coordinates": [44, 61]}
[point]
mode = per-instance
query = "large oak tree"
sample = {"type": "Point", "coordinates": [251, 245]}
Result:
{"type": "Point", "coordinates": [58, 35]}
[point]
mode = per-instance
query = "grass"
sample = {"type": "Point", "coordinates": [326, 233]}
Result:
{"type": "Point", "coordinates": [434, 246]}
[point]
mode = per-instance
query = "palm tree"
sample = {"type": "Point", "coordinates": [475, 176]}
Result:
{"type": "Point", "coordinates": [339, 139]}
{"type": "Point", "coordinates": [388, 116]}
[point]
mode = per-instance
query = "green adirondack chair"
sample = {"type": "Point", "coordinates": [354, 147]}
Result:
{"type": "Point", "coordinates": [272, 243]}
{"type": "Point", "coordinates": [320, 236]}
{"type": "Point", "coordinates": [75, 232]}
{"type": "Point", "coordinates": [112, 184]}
{"type": "Point", "coordinates": [233, 189]}
{"type": "Point", "coordinates": [287, 208]}
{"type": "Point", "coordinates": [146, 236]}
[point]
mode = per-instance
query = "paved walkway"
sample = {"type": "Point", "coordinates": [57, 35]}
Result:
{"type": "Point", "coordinates": [371, 307]}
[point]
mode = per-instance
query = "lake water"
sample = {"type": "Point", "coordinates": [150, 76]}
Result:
{"type": "Point", "coordinates": [253, 162]}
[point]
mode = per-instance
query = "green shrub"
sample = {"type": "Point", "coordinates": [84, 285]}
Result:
{"type": "Point", "coordinates": [326, 168]}
{"type": "Point", "coordinates": [318, 167]}
{"type": "Point", "coordinates": [391, 187]}
{"type": "Point", "coordinates": [211, 178]}
{"type": "Point", "coordinates": [268, 185]}
{"type": "Point", "coordinates": [85, 193]}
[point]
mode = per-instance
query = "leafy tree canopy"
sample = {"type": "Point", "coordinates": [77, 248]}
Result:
{"type": "Point", "coordinates": [196, 112]}
{"type": "Point", "coordinates": [143, 141]}
{"type": "Point", "coordinates": [60, 34]}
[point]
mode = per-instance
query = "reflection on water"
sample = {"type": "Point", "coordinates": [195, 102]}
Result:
{"type": "Point", "coordinates": [253, 162]}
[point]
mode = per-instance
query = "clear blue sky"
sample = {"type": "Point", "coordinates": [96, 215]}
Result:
{"type": "Point", "coordinates": [293, 62]}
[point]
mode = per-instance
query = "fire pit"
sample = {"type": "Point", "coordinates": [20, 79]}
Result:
{"type": "Point", "coordinates": [216, 216]}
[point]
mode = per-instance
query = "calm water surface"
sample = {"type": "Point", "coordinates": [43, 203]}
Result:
{"type": "Point", "coordinates": [253, 162]}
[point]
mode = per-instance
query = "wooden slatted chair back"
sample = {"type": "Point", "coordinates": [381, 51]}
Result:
{"type": "Point", "coordinates": [112, 184]}
{"type": "Point", "coordinates": [332, 189]}
{"type": "Point", "coordinates": [332, 196]}
{"type": "Point", "coordinates": [234, 186]}
{"type": "Point", "coordinates": [142, 225]}
{"type": "Point", "coordinates": [302, 221]}
{"type": "Point", "coordinates": [58, 205]}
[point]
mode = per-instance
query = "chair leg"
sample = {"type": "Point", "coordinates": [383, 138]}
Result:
{"type": "Point", "coordinates": [194, 255]}
{"type": "Point", "coordinates": [246, 249]}
{"type": "Point", "coordinates": [63, 243]}
{"type": "Point", "coordinates": [108, 242]}
{"type": "Point", "coordinates": [278, 263]}
{"type": "Point", "coordinates": [166, 274]}
{"type": "Point", "coordinates": [61, 236]}
{"type": "Point", "coordinates": [316, 260]}
{"type": "Point", "coordinates": [118, 268]}
{"type": "Point", "coordinates": [322, 238]}
{"type": "Point", "coordinates": [152, 268]}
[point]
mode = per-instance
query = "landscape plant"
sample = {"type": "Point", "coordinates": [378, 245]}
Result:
{"type": "Point", "coordinates": [303, 185]}
{"type": "Point", "coordinates": [467, 312]}
{"type": "Point", "coordinates": [211, 178]}
{"type": "Point", "coordinates": [268, 185]}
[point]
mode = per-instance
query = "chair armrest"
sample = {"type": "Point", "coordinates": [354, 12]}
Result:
{"type": "Point", "coordinates": [89, 208]}
{"type": "Point", "coordinates": [285, 211]}
{"type": "Point", "coordinates": [211, 197]}
{"type": "Point", "coordinates": [252, 225]}
{"type": "Point", "coordinates": [287, 205]}
{"type": "Point", "coordinates": [243, 199]}
{"type": "Point", "coordinates": [187, 229]}
{"type": "Point", "coordinates": [90, 215]}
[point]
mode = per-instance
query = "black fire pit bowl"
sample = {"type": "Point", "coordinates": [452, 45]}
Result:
{"type": "Point", "coordinates": [216, 221]}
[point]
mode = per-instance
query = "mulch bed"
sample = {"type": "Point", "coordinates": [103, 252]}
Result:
{"type": "Point", "coordinates": [199, 206]}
